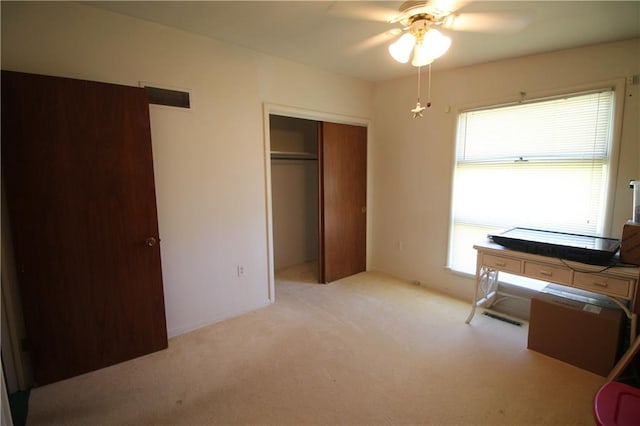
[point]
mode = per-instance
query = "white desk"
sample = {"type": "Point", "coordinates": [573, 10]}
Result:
{"type": "Point", "coordinates": [620, 284]}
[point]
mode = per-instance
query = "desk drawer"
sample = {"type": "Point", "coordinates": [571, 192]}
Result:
{"type": "Point", "coordinates": [500, 263]}
{"type": "Point", "coordinates": [605, 285]}
{"type": "Point", "coordinates": [547, 273]}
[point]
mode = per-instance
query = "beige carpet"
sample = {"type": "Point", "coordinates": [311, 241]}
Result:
{"type": "Point", "coordinates": [367, 350]}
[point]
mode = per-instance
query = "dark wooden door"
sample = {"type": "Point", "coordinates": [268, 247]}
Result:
{"type": "Point", "coordinates": [343, 200]}
{"type": "Point", "coordinates": [78, 175]}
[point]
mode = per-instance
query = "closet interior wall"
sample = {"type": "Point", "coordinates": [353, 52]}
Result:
{"type": "Point", "coordinates": [294, 191]}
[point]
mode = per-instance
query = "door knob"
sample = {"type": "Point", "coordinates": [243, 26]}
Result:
{"type": "Point", "coordinates": [151, 241]}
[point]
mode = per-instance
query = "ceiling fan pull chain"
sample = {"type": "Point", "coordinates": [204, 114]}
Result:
{"type": "Point", "coordinates": [417, 111]}
{"type": "Point", "coordinates": [419, 69]}
{"type": "Point", "coordinates": [429, 88]}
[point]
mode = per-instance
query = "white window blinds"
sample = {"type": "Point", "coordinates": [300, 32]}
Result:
{"type": "Point", "coordinates": [541, 165]}
{"type": "Point", "coordinates": [573, 127]}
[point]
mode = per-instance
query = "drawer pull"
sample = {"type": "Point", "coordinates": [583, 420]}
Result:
{"type": "Point", "coordinates": [603, 285]}
{"type": "Point", "coordinates": [546, 273]}
{"type": "Point", "coordinates": [501, 264]}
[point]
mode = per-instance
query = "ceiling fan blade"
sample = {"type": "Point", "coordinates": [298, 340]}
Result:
{"type": "Point", "coordinates": [367, 11]}
{"type": "Point", "coordinates": [373, 41]}
{"type": "Point", "coordinates": [445, 7]}
{"type": "Point", "coordinates": [493, 22]}
{"type": "Point", "coordinates": [439, 9]}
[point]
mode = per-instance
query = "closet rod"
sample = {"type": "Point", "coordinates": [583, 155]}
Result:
{"type": "Point", "coordinates": [279, 155]}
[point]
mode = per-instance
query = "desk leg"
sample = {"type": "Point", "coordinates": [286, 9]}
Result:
{"type": "Point", "coordinates": [625, 360]}
{"type": "Point", "coordinates": [487, 285]}
{"type": "Point", "coordinates": [632, 315]}
{"type": "Point", "coordinates": [474, 301]}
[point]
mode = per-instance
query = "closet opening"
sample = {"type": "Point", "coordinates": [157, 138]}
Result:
{"type": "Point", "coordinates": [295, 198]}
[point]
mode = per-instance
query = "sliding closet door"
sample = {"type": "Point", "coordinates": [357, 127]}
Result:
{"type": "Point", "coordinates": [78, 174]}
{"type": "Point", "coordinates": [343, 200]}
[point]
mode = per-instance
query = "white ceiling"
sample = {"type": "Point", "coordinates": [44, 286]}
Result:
{"type": "Point", "coordinates": [341, 36]}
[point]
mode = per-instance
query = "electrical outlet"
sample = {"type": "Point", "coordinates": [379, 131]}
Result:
{"type": "Point", "coordinates": [240, 271]}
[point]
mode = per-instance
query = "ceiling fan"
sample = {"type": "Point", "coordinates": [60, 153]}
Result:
{"type": "Point", "coordinates": [421, 22]}
{"type": "Point", "coordinates": [421, 19]}
{"type": "Point", "coordinates": [420, 39]}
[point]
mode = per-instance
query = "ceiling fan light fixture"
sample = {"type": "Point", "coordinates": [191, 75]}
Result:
{"type": "Point", "coordinates": [401, 49]}
{"type": "Point", "coordinates": [425, 43]}
{"type": "Point", "coordinates": [435, 43]}
{"type": "Point", "coordinates": [421, 56]}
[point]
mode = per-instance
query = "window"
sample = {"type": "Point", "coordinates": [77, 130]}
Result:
{"type": "Point", "coordinates": [542, 164]}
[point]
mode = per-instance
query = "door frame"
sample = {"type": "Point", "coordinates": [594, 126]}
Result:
{"type": "Point", "coordinates": [296, 112]}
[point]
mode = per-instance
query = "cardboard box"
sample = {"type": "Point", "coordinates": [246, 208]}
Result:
{"type": "Point", "coordinates": [582, 334]}
{"type": "Point", "coordinates": [630, 244]}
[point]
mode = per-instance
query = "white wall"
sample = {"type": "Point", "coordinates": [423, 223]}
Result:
{"type": "Point", "coordinates": [210, 163]}
{"type": "Point", "coordinates": [294, 197]}
{"type": "Point", "coordinates": [413, 158]}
